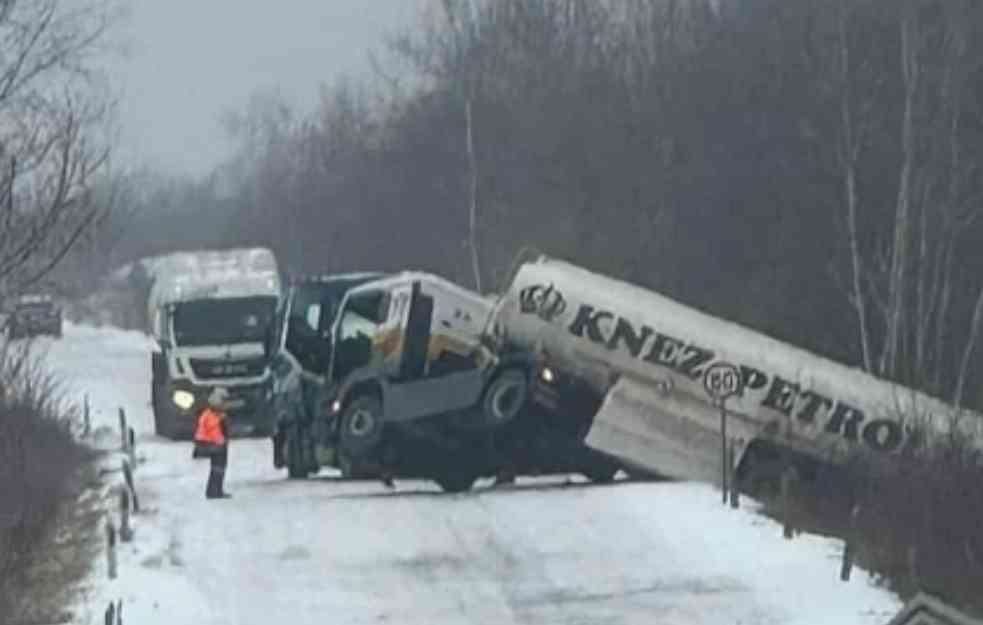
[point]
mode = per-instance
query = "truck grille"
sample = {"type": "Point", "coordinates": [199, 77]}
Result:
{"type": "Point", "coordinates": [212, 369]}
{"type": "Point", "coordinates": [246, 399]}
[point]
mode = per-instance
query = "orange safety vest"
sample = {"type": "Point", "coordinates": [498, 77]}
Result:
{"type": "Point", "coordinates": [209, 429]}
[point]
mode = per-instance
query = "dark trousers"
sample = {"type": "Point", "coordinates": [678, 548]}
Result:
{"type": "Point", "coordinates": [279, 461]}
{"type": "Point", "coordinates": [216, 472]}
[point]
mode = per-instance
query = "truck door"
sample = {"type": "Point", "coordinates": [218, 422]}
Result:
{"type": "Point", "coordinates": [301, 336]}
{"type": "Point", "coordinates": [420, 389]}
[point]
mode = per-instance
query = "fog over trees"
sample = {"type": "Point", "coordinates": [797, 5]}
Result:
{"type": "Point", "coordinates": [811, 169]}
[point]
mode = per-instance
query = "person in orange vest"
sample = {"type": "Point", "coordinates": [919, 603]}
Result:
{"type": "Point", "coordinates": [212, 441]}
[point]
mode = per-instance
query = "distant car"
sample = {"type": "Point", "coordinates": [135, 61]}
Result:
{"type": "Point", "coordinates": [33, 315]}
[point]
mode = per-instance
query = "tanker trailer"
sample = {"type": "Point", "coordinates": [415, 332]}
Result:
{"type": "Point", "coordinates": [662, 373]}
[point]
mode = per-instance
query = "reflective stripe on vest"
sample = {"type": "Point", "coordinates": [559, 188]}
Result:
{"type": "Point", "coordinates": [209, 429]}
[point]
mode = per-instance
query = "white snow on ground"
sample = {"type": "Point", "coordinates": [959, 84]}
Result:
{"type": "Point", "coordinates": [334, 551]}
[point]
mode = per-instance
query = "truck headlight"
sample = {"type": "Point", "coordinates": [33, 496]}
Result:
{"type": "Point", "coordinates": [547, 375]}
{"type": "Point", "coordinates": [183, 399]}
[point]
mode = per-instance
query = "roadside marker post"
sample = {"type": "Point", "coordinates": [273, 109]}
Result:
{"type": "Point", "coordinates": [125, 532]}
{"type": "Point", "coordinates": [723, 381]}
{"type": "Point", "coordinates": [132, 447]}
{"type": "Point", "coordinates": [789, 478]}
{"type": "Point", "coordinates": [735, 495]}
{"type": "Point", "coordinates": [86, 416]}
{"type": "Point", "coordinates": [128, 476]}
{"type": "Point", "coordinates": [122, 429]}
{"type": "Point", "coordinates": [111, 548]}
{"type": "Point", "coordinates": [848, 547]}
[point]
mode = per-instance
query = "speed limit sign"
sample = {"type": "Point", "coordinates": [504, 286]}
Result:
{"type": "Point", "coordinates": [722, 380]}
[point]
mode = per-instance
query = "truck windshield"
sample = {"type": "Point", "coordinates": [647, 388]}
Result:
{"type": "Point", "coordinates": [223, 321]}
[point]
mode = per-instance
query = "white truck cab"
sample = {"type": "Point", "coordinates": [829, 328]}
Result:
{"type": "Point", "coordinates": [212, 314]}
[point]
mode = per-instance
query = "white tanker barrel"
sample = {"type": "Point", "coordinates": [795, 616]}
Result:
{"type": "Point", "coordinates": [650, 356]}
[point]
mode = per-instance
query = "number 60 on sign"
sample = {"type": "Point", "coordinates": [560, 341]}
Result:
{"type": "Point", "coordinates": [722, 380]}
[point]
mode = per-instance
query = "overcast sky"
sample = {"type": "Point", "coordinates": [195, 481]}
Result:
{"type": "Point", "coordinates": [189, 61]}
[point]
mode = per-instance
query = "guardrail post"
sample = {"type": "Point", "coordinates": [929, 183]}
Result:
{"type": "Point", "coordinates": [86, 416]}
{"type": "Point", "coordinates": [732, 466]}
{"type": "Point", "coordinates": [125, 532]}
{"type": "Point", "coordinates": [849, 545]}
{"type": "Point", "coordinates": [111, 548]}
{"type": "Point", "coordinates": [122, 429]}
{"type": "Point", "coordinates": [132, 447]}
{"type": "Point", "coordinates": [788, 482]}
{"type": "Point", "coordinates": [128, 476]}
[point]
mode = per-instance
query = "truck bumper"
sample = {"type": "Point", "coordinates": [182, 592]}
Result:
{"type": "Point", "coordinates": [249, 410]}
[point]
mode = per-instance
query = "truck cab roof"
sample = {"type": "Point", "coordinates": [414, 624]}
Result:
{"type": "Point", "coordinates": [354, 276]}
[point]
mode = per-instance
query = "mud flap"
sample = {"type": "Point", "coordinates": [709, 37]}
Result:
{"type": "Point", "coordinates": [671, 433]}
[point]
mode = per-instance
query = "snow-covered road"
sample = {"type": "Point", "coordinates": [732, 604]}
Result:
{"type": "Point", "coordinates": [331, 551]}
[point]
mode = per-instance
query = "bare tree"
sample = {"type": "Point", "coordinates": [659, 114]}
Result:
{"type": "Point", "coordinates": [903, 286]}
{"type": "Point", "coordinates": [52, 111]}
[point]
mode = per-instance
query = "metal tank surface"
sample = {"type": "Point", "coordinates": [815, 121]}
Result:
{"type": "Point", "coordinates": [658, 363]}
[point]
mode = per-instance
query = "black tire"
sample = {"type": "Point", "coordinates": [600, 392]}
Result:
{"type": "Point", "coordinates": [163, 419]}
{"type": "Point", "coordinates": [641, 475]}
{"type": "Point", "coordinates": [456, 481]}
{"type": "Point", "coordinates": [153, 406]}
{"type": "Point", "coordinates": [601, 472]}
{"type": "Point", "coordinates": [361, 426]}
{"type": "Point", "coordinates": [503, 399]}
{"type": "Point", "coordinates": [297, 469]}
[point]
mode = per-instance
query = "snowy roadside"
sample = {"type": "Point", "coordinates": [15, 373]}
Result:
{"type": "Point", "coordinates": [330, 550]}
{"type": "Point", "coordinates": [108, 367]}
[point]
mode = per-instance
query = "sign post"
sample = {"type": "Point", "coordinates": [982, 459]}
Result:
{"type": "Point", "coordinates": [723, 381]}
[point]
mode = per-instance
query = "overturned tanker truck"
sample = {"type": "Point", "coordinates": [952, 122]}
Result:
{"type": "Point", "coordinates": [656, 368]}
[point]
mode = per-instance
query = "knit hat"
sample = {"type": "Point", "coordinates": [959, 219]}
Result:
{"type": "Point", "coordinates": [218, 396]}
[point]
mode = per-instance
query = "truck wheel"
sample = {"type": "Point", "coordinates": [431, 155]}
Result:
{"type": "Point", "coordinates": [641, 475]}
{"type": "Point", "coordinates": [296, 467]}
{"type": "Point", "coordinates": [601, 473]}
{"type": "Point", "coordinates": [361, 426]}
{"type": "Point", "coordinates": [599, 468]}
{"type": "Point", "coordinates": [153, 407]}
{"type": "Point", "coordinates": [504, 398]}
{"type": "Point", "coordinates": [163, 423]}
{"type": "Point", "coordinates": [165, 426]}
{"type": "Point", "coordinates": [456, 481]}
